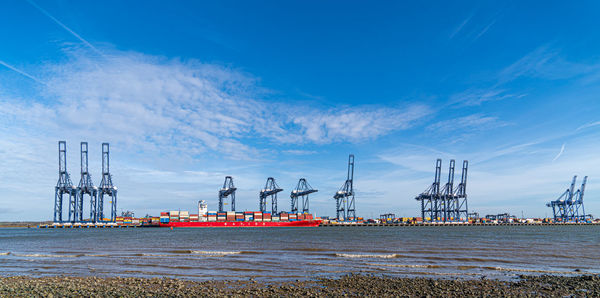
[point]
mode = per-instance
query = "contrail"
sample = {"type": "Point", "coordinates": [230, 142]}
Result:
{"type": "Point", "coordinates": [21, 72]}
{"type": "Point", "coordinates": [65, 27]}
{"type": "Point", "coordinates": [562, 149]}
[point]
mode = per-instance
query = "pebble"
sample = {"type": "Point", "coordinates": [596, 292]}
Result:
{"type": "Point", "coordinates": [350, 285]}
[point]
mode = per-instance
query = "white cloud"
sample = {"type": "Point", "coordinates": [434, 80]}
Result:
{"type": "Point", "coordinates": [460, 27]}
{"type": "Point", "coordinates": [562, 149]}
{"type": "Point", "coordinates": [476, 97]}
{"type": "Point", "coordinates": [547, 63]}
{"type": "Point", "coordinates": [154, 101]}
{"type": "Point", "coordinates": [354, 124]}
{"type": "Point", "coordinates": [475, 122]}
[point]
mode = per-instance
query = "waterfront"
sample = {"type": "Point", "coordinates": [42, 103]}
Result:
{"type": "Point", "coordinates": [283, 254]}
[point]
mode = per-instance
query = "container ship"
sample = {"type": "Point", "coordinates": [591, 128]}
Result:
{"type": "Point", "coordinates": [204, 218]}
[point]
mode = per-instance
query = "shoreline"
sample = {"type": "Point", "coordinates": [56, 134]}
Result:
{"type": "Point", "coordinates": [348, 285]}
{"type": "Point", "coordinates": [49, 225]}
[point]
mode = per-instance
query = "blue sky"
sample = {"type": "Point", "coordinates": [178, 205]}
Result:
{"type": "Point", "coordinates": [189, 92]}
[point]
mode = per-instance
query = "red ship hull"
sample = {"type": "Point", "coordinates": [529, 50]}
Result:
{"type": "Point", "coordinates": [249, 224]}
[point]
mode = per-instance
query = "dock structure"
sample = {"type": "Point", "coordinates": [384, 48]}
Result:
{"type": "Point", "coordinates": [106, 188]}
{"type": "Point", "coordinates": [271, 189]}
{"type": "Point", "coordinates": [445, 203]}
{"type": "Point", "coordinates": [86, 186]}
{"type": "Point", "coordinates": [302, 191]}
{"type": "Point", "coordinates": [64, 186]}
{"type": "Point", "coordinates": [76, 194]}
{"type": "Point", "coordinates": [344, 197]}
{"type": "Point", "coordinates": [228, 190]}
{"type": "Point", "coordinates": [569, 205]}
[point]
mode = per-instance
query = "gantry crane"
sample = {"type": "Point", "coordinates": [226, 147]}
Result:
{"type": "Point", "coordinates": [445, 203]}
{"type": "Point", "coordinates": [271, 189]}
{"type": "Point", "coordinates": [86, 186]}
{"type": "Point", "coordinates": [228, 190]}
{"type": "Point", "coordinates": [303, 189]}
{"type": "Point", "coordinates": [460, 206]}
{"type": "Point", "coordinates": [64, 186]}
{"type": "Point", "coordinates": [431, 196]}
{"type": "Point", "coordinates": [106, 188]}
{"type": "Point", "coordinates": [344, 197]}
{"type": "Point", "coordinates": [569, 206]}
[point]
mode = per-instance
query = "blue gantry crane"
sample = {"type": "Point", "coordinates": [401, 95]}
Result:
{"type": "Point", "coordinates": [64, 186]}
{"type": "Point", "coordinates": [430, 198]}
{"type": "Point", "coordinates": [86, 186]}
{"type": "Point", "coordinates": [106, 188]}
{"type": "Point", "coordinates": [344, 197]}
{"type": "Point", "coordinates": [271, 189]}
{"type": "Point", "coordinates": [460, 206]}
{"type": "Point", "coordinates": [445, 203]}
{"type": "Point", "coordinates": [228, 190]}
{"type": "Point", "coordinates": [303, 189]}
{"type": "Point", "coordinates": [569, 205]}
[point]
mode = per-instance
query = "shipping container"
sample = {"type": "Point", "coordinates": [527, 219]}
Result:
{"type": "Point", "coordinates": [174, 213]}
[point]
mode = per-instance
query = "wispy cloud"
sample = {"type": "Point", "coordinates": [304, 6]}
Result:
{"type": "Point", "coordinates": [357, 123]}
{"type": "Point", "coordinates": [460, 26]}
{"type": "Point", "coordinates": [46, 13]}
{"type": "Point", "coordinates": [562, 149]}
{"type": "Point", "coordinates": [593, 124]}
{"type": "Point", "coordinates": [20, 72]}
{"type": "Point", "coordinates": [299, 152]}
{"type": "Point", "coordinates": [547, 63]}
{"type": "Point", "coordinates": [475, 122]}
{"type": "Point", "coordinates": [475, 97]}
{"type": "Point", "coordinates": [158, 102]}
{"type": "Point", "coordinates": [484, 30]}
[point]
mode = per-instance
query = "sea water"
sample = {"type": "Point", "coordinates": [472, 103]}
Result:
{"type": "Point", "coordinates": [302, 253]}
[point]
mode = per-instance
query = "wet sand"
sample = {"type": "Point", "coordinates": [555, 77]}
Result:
{"type": "Point", "coordinates": [350, 285]}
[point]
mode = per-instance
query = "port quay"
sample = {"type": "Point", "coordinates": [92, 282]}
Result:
{"type": "Point", "coordinates": [441, 205]}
